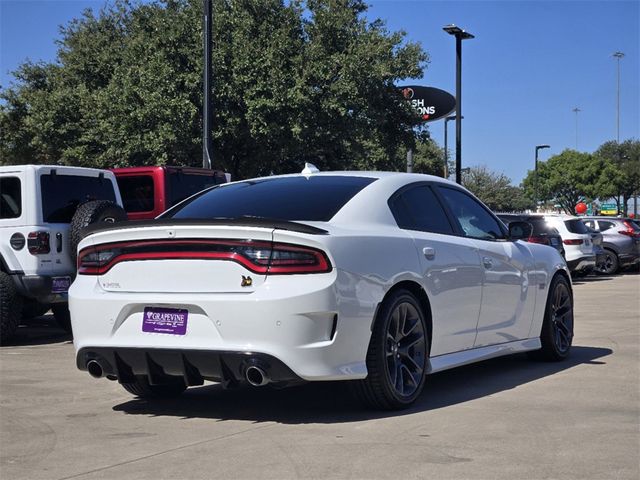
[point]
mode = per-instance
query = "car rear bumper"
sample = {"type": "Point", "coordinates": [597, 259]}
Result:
{"type": "Point", "coordinates": [38, 287]}
{"type": "Point", "coordinates": [160, 366]}
{"type": "Point", "coordinates": [582, 264]}
{"type": "Point", "coordinates": [304, 324]}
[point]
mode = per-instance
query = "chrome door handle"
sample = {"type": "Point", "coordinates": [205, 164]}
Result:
{"type": "Point", "coordinates": [487, 262]}
{"type": "Point", "coordinates": [429, 253]}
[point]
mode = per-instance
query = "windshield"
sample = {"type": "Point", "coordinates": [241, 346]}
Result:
{"type": "Point", "coordinates": [284, 198]}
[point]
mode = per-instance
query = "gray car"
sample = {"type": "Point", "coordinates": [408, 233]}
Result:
{"type": "Point", "coordinates": [621, 242]}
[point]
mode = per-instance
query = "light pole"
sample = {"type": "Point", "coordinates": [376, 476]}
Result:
{"type": "Point", "coordinates": [535, 191]}
{"type": "Point", "coordinates": [576, 110]}
{"type": "Point", "coordinates": [618, 56]}
{"type": "Point", "coordinates": [206, 108]}
{"type": "Point", "coordinates": [446, 153]}
{"type": "Point", "coordinates": [460, 35]}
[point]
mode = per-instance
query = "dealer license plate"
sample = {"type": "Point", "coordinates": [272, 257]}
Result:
{"type": "Point", "coordinates": [60, 284]}
{"type": "Point", "coordinates": [165, 320]}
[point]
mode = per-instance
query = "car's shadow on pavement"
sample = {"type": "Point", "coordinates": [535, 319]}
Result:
{"type": "Point", "coordinates": [331, 402]}
{"type": "Point", "coordinates": [42, 330]}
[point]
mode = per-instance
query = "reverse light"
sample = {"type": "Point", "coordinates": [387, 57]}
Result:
{"type": "Point", "coordinates": [256, 256]}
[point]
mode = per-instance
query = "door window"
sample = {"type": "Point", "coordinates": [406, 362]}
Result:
{"type": "Point", "coordinates": [475, 221]}
{"type": "Point", "coordinates": [10, 197]}
{"type": "Point", "coordinates": [419, 209]}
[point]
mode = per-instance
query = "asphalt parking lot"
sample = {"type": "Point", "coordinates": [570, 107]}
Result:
{"type": "Point", "coordinates": [504, 418]}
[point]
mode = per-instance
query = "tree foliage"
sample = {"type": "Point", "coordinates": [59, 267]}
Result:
{"type": "Point", "coordinates": [625, 158]}
{"type": "Point", "coordinates": [571, 177]}
{"type": "Point", "coordinates": [293, 82]}
{"type": "Point", "coordinates": [495, 190]}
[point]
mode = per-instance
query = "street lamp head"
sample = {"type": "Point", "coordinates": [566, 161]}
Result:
{"type": "Point", "coordinates": [618, 55]}
{"type": "Point", "coordinates": [538, 147]}
{"type": "Point", "coordinates": [457, 32]}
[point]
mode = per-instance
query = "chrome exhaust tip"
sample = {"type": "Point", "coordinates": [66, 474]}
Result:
{"type": "Point", "coordinates": [95, 369]}
{"type": "Point", "coordinates": [256, 376]}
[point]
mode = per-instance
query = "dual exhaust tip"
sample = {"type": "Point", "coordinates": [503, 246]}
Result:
{"type": "Point", "coordinates": [254, 374]}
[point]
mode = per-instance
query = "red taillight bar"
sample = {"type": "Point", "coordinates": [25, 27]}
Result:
{"type": "Point", "coordinates": [257, 256]}
{"type": "Point", "coordinates": [539, 239]}
{"type": "Point", "coordinates": [573, 241]}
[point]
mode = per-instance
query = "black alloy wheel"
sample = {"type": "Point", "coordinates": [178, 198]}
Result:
{"type": "Point", "coordinates": [556, 336]}
{"type": "Point", "coordinates": [609, 265]}
{"type": "Point", "coordinates": [397, 355]}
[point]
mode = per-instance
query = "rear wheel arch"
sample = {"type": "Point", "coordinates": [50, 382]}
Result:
{"type": "Point", "coordinates": [416, 289]}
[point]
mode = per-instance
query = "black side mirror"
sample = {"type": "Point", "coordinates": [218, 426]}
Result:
{"type": "Point", "coordinates": [520, 230]}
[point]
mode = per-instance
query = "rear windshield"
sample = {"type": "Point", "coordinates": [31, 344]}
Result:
{"type": "Point", "coordinates": [576, 226]}
{"type": "Point", "coordinates": [290, 198]}
{"type": "Point", "coordinates": [61, 194]}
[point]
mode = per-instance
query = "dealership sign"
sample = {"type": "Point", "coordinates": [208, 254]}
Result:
{"type": "Point", "coordinates": [430, 103]}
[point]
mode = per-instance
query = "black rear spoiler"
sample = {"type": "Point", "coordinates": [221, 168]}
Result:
{"type": "Point", "coordinates": [235, 222]}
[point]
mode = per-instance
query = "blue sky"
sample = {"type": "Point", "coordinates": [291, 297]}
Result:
{"type": "Point", "coordinates": [530, 64]}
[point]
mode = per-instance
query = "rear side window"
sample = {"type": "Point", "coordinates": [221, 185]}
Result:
{"type": "Point", "coordinates": [474, 219]}
{"type": "Point", "coordinates": [576, 226]}
{"type": "Point", "coordinates": [137, 193]}
{"type": "Point", "coordinates": [10, 197]}
{"type": "Point", "coordinates": [316, 198]}
{"type": "Point", "coordinates": [419, 209]}
{"type": "Point", "coordinates": [182, 185]}
{"type": "Point", "coordinates": [604, 225]}
{"type": "Point", "coordinates": [61, 194]}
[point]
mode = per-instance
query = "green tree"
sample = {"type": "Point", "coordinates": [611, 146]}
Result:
{"type": "Point", "coordinates": [570, 177]}
{"type": "Point", "coordinates": [495, 190]}
{"type": "Point", "coordinates": [293, 82]}
{"type": "Point", "coordinates": [624, 180]}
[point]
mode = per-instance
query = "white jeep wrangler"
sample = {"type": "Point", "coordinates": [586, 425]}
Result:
{"type": "Point", "coordinates": [42, 212]}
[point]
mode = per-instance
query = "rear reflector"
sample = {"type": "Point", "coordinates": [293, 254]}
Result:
{"type": "Point", "coordinates": [573, 241]}
{"type": "Point", "coordinates": [38, 243]}
{"type": "Point", "coordinates": [257, 256]}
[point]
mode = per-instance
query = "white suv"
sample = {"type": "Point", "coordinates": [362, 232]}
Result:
{"type": "Point", "coordinates": [42, 210]}
{"type": "Point", "coordinates": [579, 252]}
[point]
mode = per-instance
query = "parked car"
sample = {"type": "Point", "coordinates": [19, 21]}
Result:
{"type": "Point", "coordinates": [542, 232]}
{"type": "Point", "coordinates": [149, 191]}
{"type": "Point", "coordinates": [621, 242]}
{"type": "Point", "coordinates": [378, 278]}
{"type": "Point", "coordinates": [42, 211]}
{"type": "Point", "coordinates": [578, 247]}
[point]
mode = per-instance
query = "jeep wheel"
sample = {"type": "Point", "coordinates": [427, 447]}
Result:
{"type": "Point", "coordinates": [10, 308]}
{"type": "Point", "coordinates": [88, 213]}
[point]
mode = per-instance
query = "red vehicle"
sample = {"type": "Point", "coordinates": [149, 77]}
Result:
{"type": "Point", "coordinates": [148, 191]}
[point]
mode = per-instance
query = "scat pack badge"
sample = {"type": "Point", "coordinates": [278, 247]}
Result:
{"type": "Point", "coordinates": [246, 281]}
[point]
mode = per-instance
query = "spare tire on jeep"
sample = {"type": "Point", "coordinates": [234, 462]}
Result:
{"type": "Point", "coordinates": [88, 213]}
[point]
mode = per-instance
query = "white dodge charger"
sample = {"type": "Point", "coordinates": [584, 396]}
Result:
{"type": "Point", "coordinates": [377, 278]}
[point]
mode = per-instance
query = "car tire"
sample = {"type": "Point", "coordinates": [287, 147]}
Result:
{"type": "Point", "coordinates": [556, 335]}
{"type": "Point", "coordinates": [610, 264]}
{"type": "Point", "coordinates": [33, 309]}
{"type": "Point", "coordinates": [10, 308]}
{"type": "Point", "coordinates": [88, 213]}
{"type": "Point", "coordinates": [143, 389]}
{"type": "Point", "coordinates": [62, 316]}
{"type": "Point", "coordinates": [396, 373]}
